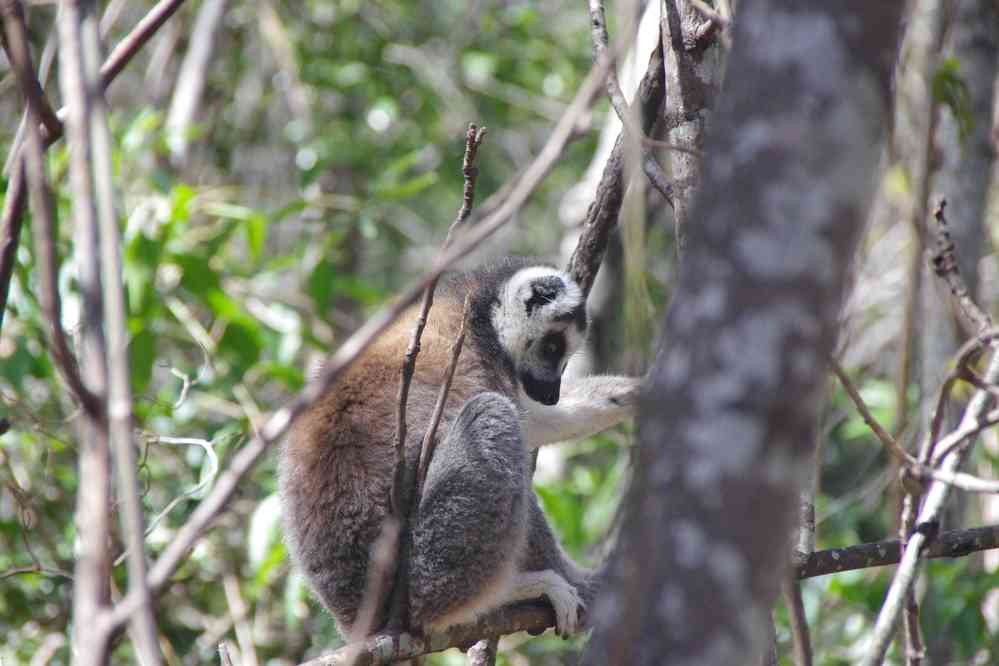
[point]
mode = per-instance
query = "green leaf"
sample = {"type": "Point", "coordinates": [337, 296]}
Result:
{"type": "Point", "coordinates": [141, 357]}
{"type": "Point", "coordinates": [409, 188]}
{"type": "Point", "coordinates": [242, 343]}
{"type": "Point", "coordinates": [256, 235]}
{"type": "Point", "coordinates": [950, 89]}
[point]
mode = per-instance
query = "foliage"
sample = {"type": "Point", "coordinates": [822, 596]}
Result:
{"type": "Point", "coordinates": [322, 172]}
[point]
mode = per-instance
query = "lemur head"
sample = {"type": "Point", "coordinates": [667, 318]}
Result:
{"type": "Point", "coordinates": [540, 320]}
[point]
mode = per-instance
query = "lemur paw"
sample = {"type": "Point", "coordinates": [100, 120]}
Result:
{"type": "Point", "coordinates": [568, 607]}
{"type": "Point", "coordinates": [624, 392]}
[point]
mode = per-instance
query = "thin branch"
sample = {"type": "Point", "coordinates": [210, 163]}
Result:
{"type": "Point", "coordinates": [91, 593]}
{"type": "Point", "coordinates": [19, 54]}
{"type": "Point", "coordinates": [277, 425]}
{"type": "Point", "coordinates": [946, 267]}
{"type": "Point", "coordinates": [953, 543]}
{"type": "Point", "coordinates": [603, 213]}
{"type": "Point", "coordinates": [36, 569]}
{"type": "Point", "coordinates": [927, 525]}
{"type": "Point", "coordinates": [119, 408]}
{"type": "Point", "coordinates": [14, 200]}
{"type": "Point", "coordinates": [143, 31]}
{"type": "Point", "coordinates": [801, 641]}
{"type": "Point", "coordinates": [403, 494]}
{"type": "Point", "coordinates": [654, 172]}
{"type": "Point", "coordinates": [44, 219]}
{"type": "Point", "coordinates": [885, 438]}
{"type": "Point", "coordinates": [430, 437]}
{"type": "Point", "coordinates": [534, 618]}
{"type": "Point", "coordinates": [932, 449]}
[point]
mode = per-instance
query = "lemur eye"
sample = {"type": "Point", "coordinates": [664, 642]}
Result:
{"type": "Point", "coordinates": [552, 346]}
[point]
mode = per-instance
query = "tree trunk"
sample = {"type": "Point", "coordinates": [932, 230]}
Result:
{"type": "Point", "coordinates": [724, 427]}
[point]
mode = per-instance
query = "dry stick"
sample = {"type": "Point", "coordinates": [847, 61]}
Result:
{"type": "Point", "coordinates": [533, 618]}
{"type": "Point", "coordinates": [91, 576]}
{"type": "Point", "coordinates": [885, 438]}
{"type": "Point", "coordinates": [953, 543]}
{"type": "Point", "coordinates": [213, 504]}
{"type": "Point", "coordinates": [404, 479]}
{"type": "Point", "coordinates": [922, 170]}
{"type": "Point", "coordinates": [13, 210]}
{"type": "Point", "coordinates": [603, 212]}
{"type": "Point", "coordinates": [111, 15]}
{"type": "Point", "coordinates": [915, 469]}
{"type": "Point", "coordinates": [17, 40]}
{"type": "Point", "coordinates": [41, 203]}
{"type": "Point", "coordinates": [800, 639]}
{"type": "Point", "coordinates": [654, 172]}
{"type": "Point", "coordinates": [928, 520]}
{"type": "Point", "coordinates": [119, 410]}
{"type": "Point", "coordinates": [429, 443]}
{"type": "Point", "coordinates": [386, 648]}
{"type": "Point", "coordinates": [946, 267]}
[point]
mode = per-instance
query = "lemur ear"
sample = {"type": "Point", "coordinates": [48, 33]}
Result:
{"type": "Point", "coordinates": [543, 290]}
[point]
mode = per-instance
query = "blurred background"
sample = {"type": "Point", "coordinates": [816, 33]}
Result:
{"type": "Point", "coordinates": [285, 168]}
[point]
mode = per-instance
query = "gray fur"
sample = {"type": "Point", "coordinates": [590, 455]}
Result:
{"type": "Point", "coordinates": [473, 512]}
{"type": "Point", "coordinates": [480, 539]}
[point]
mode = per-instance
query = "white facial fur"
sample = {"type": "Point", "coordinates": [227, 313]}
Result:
{"type": "Point", "coordinates": [517, 328]}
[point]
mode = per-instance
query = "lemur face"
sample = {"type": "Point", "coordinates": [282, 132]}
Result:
{"type": "Point", "coordinates": [541, 321]}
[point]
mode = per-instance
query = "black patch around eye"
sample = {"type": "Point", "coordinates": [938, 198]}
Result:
{"type": "Point", "coordinates": [553, 346]}
{"type": "Point", "coordinates": [544, 290]}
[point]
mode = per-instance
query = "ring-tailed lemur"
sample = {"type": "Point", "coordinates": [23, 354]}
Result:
{"type": "Point", "coordinates": [479, 537]}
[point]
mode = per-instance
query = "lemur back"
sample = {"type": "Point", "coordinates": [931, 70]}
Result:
{"type": "Point", "coordinates": [479, 538]}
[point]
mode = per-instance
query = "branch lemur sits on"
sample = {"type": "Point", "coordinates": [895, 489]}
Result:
{"type": "Point", "coordinates": [479, 537]}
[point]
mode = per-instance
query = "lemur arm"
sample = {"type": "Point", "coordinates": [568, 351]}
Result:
{"type": "Point", "coordinates": [585, 407]}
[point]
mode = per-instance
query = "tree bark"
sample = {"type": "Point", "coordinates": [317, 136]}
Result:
{"type": "Point", "coordinates": [725, 424]}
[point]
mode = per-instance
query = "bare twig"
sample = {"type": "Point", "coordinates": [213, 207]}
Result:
{"type": "Point", "coordinates": [175, 552]}
{"type": "Point", "coordinates": [19, 55]}
{"type": "Point", "coordinates": [378, 581]}
{"type": "Point", "coordinates": [953, 543]}
{"type": "Point", "coordinates": [143, 31]}
{"type": "Point", "coordinates": [534, 618]}
{"type": "Point", "coordinates": [473, 137]}
{"type": "Point", "coordinates": [41, 201]}
{"type": "Point", "coordinates": [926, 525]}
{"type": "Point", "coordinates": [598, 33]}
{"type": "Point", "coordinates": [239, 611]}
{"type": "Point", "coordinates": [90, 589]}
{"type": "Point", "coordinates": [404, 479]}
{"type": "Point", "coordinates": [191, 78]}
{"type": "Point", "coordinates": [13, 209]}
{"type": "Point", "coordinates": [946, 267]}
{"type": "Point", "coordinates": [885, 438]}
{"type": "Point", "coordinates": [119, 408]}
{"type": "Point", "coordinates": [932, 450]}
{"type": "Point", "coordinates": [430, 436]}
{"type": "Point", "coordinates": [802, 643]}
{"type": "Point", "coordinates": [603, 213]}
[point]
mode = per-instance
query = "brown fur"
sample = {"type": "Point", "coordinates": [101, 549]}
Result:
{"type": "Point", "coordinates": [339, 459]}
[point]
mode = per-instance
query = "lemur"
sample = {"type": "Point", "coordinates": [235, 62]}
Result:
{"type": "Point", "coordinates": [479, 537]}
